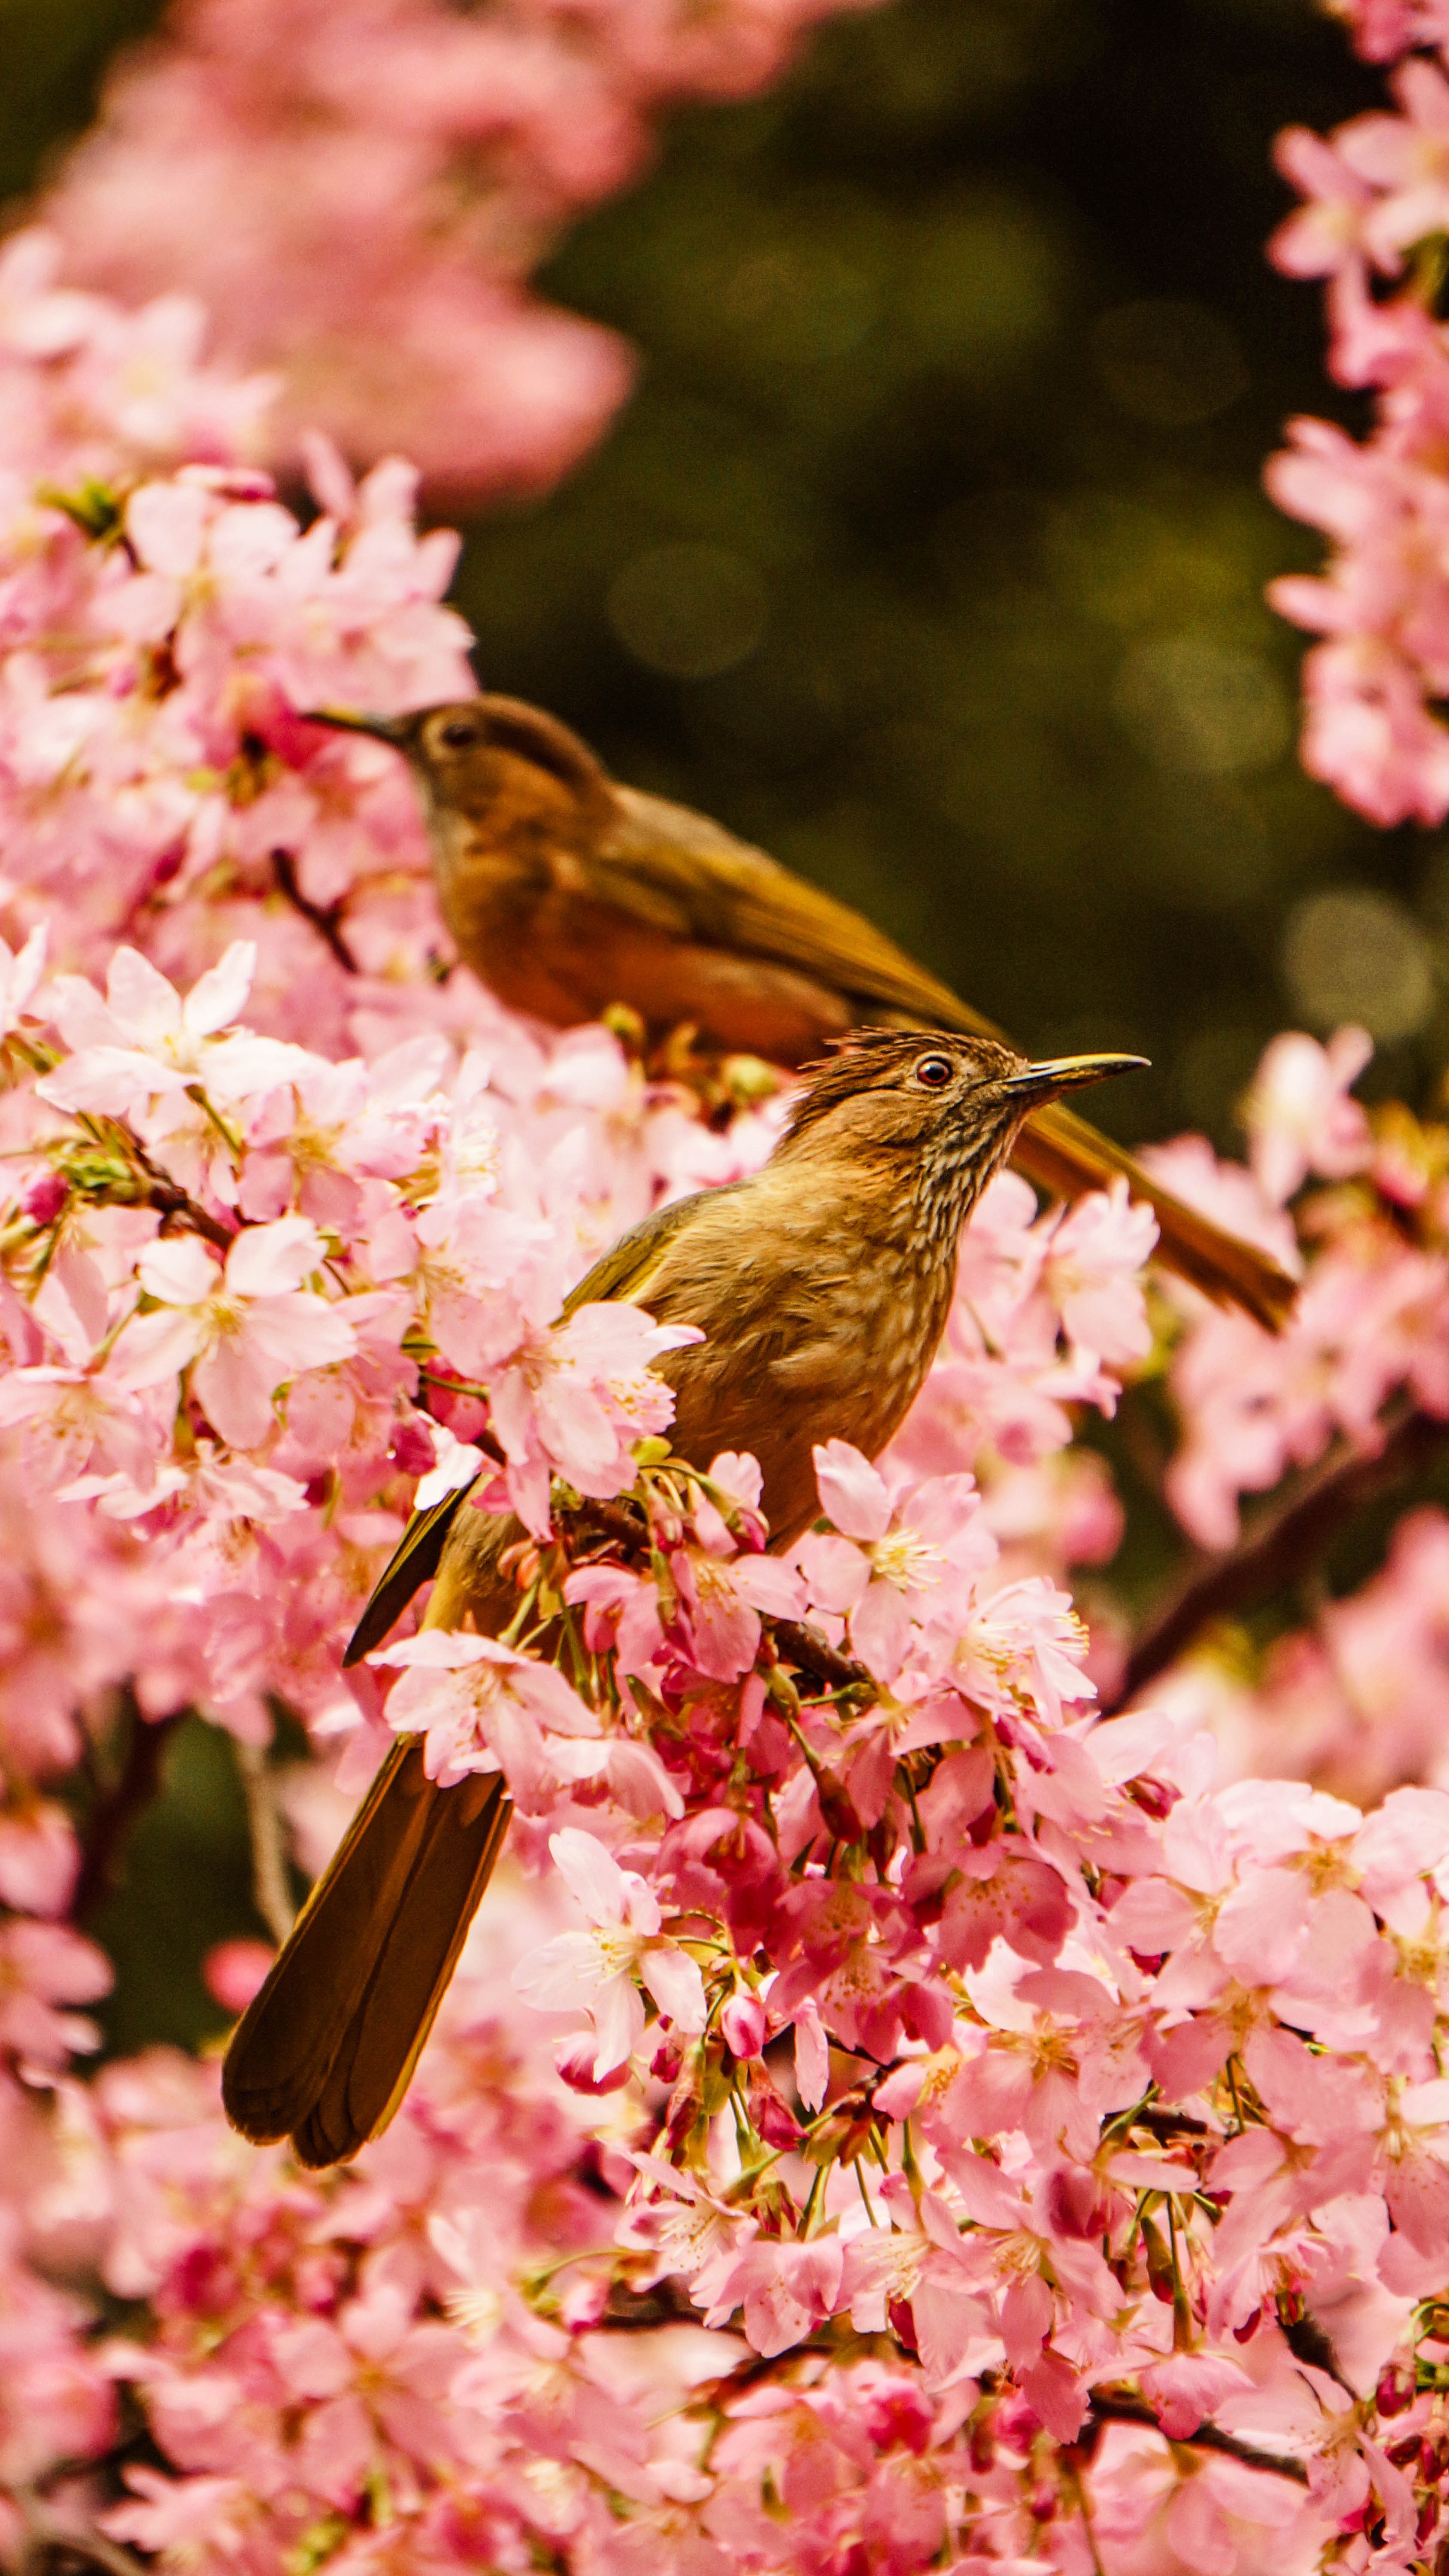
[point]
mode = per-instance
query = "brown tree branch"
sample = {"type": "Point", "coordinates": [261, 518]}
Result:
{"type": "Point", "coordinates": [1110, 2409]}
{"type": "Point", "coordinates": [270, 1892]}
{"type": "Point", "coordinates": [1280, 1541]}
{"type": "Point", "coordinates": [322, 917]}
{"type": "Point", "coordinates": [805, 1646]}
{"type": "Point", "coordinates": [169, 1201]}
{"type": "Point", "coordinates": [146, 1185]}
{"type": "Point", "coordinates": [48, 2541]}
{"type": "Point", "coordinates": [132, 1791]}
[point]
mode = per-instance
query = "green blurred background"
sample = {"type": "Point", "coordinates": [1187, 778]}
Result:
{"type": "Point", "coordinates": [931, 555]}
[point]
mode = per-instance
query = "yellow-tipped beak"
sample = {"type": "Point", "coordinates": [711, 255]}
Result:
{"type": "Point", "coordinates": [1069, 1073]}
{"type": "Point", "coordinates": [391, 729]}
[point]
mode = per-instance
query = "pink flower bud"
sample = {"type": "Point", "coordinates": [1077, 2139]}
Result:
{"type": "Point", "coordinates": [903, 2325]}
{"type": "Point", "coordinates": [235, 1971]}
{"type": "Point", "coordinates": [412, 1450]}
{"type": "Point", "coordinates": [743, 2025]}
{"type": "Point", "coordinates": [584, 2300]}
{"type": "Point", "coordinates": [43, 1198]}
{"type": "Point", "coordinates": [574, 2058]}
{"type": "Point", "coordinates": [898, 2412]}
{"type": "Point", "coordinates": [667, 2059]}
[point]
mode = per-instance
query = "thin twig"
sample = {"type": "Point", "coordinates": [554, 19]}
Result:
{"type": "Point", "coordinates": [323, 917]}
{"type": "Point", "coordinates": [116, 1812]}
{"type": "Point", "coordinates": [1280, 1541]}
{"type": "Point", "coordinates": [1079, 2490]}
{"type": "Point", "coordinates": [805, 1646]}
{"type": "Point", "coordinates": [169, 1199]}
{"type": "Point", "coordinates": [1135, 2410]}
{"type": "Point", "coordinates": [158, 1190]}
{"type": "Point", "coordinates": [44, 2531]}
{"type": "Point", "coordinates": [270, 1892]}
{"type": "Point", "coordinates": [171, 1202]}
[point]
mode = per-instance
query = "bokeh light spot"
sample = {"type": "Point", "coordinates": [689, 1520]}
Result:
{"type": "Point", "coordinates": [1355, 954]}
{"type": "Point", "coordinates": [801, 303]}
{"type": "Point", "coordinates": [1192, 704]}
{"type": "Point", "coordinates": [689, 611]}
{"type": "Point", "coordinates": [1168, 362]}
{"type": "Point", "coordinates": [1196, 844]}
{"type": "Point", "coordinates": [984, 286]}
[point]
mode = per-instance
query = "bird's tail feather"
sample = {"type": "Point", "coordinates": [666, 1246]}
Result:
{"type": "Point", "coordinates": [326, 2050]}
{"type": "Point", "coordinates": [1060, 1152]}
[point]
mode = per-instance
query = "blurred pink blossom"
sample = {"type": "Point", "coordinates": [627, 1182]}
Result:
{"type": "Point", "coordinates": [358, 193]}
{"type": "Point", "coordinates": [1376, 195]}
{"type": "Point", "coordinates": [1299, 1116]}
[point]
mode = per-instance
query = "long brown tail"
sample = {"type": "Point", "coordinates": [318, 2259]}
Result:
{"type": "Point", "coordinates": [325, 2052]}
{"type": "Point", "coordinates": [1061, 1152]}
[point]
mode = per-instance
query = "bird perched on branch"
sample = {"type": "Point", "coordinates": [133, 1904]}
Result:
{"type": "Point", "coordinates": [566, 892]}
{"type": "Point", "coordinates": [822, 1285]}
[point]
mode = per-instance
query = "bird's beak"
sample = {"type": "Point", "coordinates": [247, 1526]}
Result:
{"type": "Point", "coordinates": [1068, 1073]}
{"type": "Point", "coordinates": [393, 729]}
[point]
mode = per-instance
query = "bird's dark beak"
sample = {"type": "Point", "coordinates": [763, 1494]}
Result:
{"type": "Point", "coordinates": [1068, 1073]}
{"type": "Point", "coordinates": [393, 729]}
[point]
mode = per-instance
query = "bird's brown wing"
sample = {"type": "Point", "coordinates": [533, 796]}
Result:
{"type": "Point", "coordinates": [620, 1275]}
{"type": "Point", "coordinates": [413, 1561]}
{"type": "Point", "coordinates": [677, 870]}
{"type": "Point", "coordinates": [707, 886]}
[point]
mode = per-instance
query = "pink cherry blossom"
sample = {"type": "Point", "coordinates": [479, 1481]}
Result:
{"type": "Point", "coordinates": [242, 1328]}
{"type": "Point", "coordinates": [481, 1706]}
{"type": "Point", "coordinates": [598, 1969]}
{"type": "Point", "coordinates": [1299, 1115]}
{"type": "Point", "coordinates": [577, 1399]}
{"type": "Point", "coordinates": [935, 1538]}
{"type": "Point", "coordinates": [144, 1042]}
{"type": "Point", "coordinates": [1374, 191]}
{"type": "Point", "coordinates": [395, 175]}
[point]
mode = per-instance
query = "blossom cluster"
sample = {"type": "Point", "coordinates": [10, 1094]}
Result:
{"type": "Point", "coordinates": [1372, 225]}
{"type": "Point", "coordinates": [906, 2101]}
{"type": "Point", "coordinates": [359, 192]}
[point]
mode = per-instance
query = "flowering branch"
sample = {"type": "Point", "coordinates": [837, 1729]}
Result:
{"type": "Point", "coordinates": [119, 1809]}
{"type": "Point", "coordinates": [264, 1824]}
{"type": "Point", "coordinates": [996, 2080]}
{"type": "Point", "coordinates": [46, 2535]}
{"type": "Point", "coordinates": [1282, 1541]}
{"type": "Point", "coordinates": [326, 919]}
{"type": "Point", "coordinates": [1109, 2406]}
{"type": "Point", "coordinates": [806, 1647]}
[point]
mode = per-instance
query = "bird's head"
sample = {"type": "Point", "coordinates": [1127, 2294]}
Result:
{"type": "Point", "coordinates": [927, 1114]}
{"type": "Point", "coordinates": [470, 755]}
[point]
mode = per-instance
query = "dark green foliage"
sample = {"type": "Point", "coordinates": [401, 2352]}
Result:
{"type": "Point", "coordinates": [183, 1882]}
{"type": "Point", "coordinates": [927, 556]}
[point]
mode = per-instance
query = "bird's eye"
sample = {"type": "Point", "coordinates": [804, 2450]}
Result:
{"type": "Point", "coordinates": [460, 735]}
{"type": "Point", "coordinates": [933, 1072]}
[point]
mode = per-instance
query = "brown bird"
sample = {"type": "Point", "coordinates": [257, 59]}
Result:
{"type": "Point", "coordinates": [566, 892]}
{"type": "Point", "coordinates": [822, 1286]}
